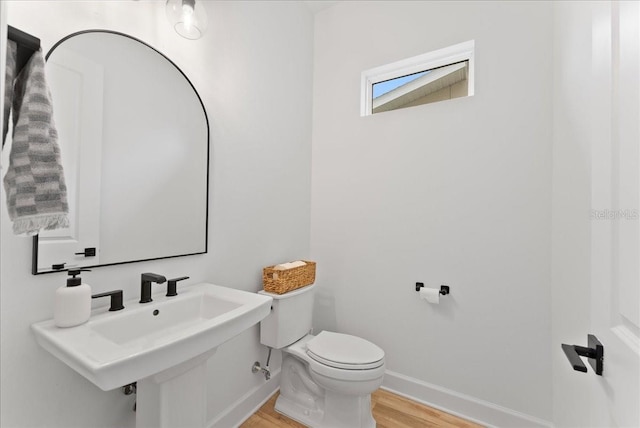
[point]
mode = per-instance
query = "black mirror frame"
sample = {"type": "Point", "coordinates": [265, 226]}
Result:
{"type": "Point", "coordinates": [34, 263]}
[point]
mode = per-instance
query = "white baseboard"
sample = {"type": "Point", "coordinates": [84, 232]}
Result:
{"type": "Point", "coordinates": [248, 404]}
{"type": "Point", "coordinates": [464, 406]}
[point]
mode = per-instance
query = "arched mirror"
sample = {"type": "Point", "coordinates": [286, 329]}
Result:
{"type": "Point", "coordinates": [134, 138]}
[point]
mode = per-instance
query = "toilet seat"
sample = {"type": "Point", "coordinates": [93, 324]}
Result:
{"type": "Point", "coordinates": [343, 351]}
{"type": "Point", "coordinates": [356, 374]}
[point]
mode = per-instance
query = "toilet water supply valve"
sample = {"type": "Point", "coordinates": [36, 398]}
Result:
{"type": "Point", "coordinates": [258, 368]}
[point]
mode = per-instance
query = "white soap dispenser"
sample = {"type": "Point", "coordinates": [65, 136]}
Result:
{"type": "Point", "coordinates": [73, 302]}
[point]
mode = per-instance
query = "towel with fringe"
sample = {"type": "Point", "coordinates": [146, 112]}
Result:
{"type": "Point", "coordinates": [34, 182]}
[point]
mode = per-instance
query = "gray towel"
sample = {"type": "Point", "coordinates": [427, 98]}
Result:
{"type": "Point", "coordinates": [12, 52]}
{"type": "Point", "coordinates": [35, 186]}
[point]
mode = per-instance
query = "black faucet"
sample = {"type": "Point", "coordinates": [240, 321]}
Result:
{"type": "Point", "coordinates": [145, 285]}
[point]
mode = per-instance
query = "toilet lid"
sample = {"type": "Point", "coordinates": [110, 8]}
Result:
{"type": "Point", "coordinates": [344, 351]}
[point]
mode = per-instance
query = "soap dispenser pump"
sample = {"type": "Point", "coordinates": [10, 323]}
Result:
{"type": "Point", "coordinates": [73, 302]}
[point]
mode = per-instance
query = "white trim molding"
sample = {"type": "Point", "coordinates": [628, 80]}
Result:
{"type": "Point", "coordinates": [439, 58]}
{"type": "Point", "coordinates": [461, 405]}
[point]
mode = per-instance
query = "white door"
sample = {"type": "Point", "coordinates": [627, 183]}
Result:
{"type": "Point", "coordinates": [615, 231]}
{"type": "Point", "coordinates": [77, 90]}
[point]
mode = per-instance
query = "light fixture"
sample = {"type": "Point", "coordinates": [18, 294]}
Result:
{"type": "Point", "coordinates": [188, 18]}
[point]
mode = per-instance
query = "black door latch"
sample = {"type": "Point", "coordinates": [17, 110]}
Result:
{"type": "Point", "coordinates": [595, 354]}
{"type": "Point", "coordinates": [88, 252]}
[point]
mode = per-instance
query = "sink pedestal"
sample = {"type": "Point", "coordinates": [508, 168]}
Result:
{"type": "Point", "coordinates": [176, 397]}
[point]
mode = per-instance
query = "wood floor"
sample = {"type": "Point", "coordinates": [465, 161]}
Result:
{"type": "Point", "coordinates": [389, 411]}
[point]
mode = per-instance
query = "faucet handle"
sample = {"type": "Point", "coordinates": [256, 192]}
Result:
{"type": "Point", "coordinates": [172, 286]}
{"type": "Point", "coordinates": [116, 299]}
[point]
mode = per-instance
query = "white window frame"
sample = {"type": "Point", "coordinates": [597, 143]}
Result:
{"type": "Point", "coordinates": [439, 58]}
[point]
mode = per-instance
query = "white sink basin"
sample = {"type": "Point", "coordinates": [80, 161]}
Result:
{"type": "Point", "coordinates": [117, 348]}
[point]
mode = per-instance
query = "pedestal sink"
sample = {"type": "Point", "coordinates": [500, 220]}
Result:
{"type": "Point", "coordinates": [162, 345]}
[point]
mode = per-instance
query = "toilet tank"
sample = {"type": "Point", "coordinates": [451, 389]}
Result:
{"type": "Point", "coordinates": [290, 318]}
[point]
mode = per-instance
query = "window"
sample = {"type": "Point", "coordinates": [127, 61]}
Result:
{"type": "Point", "coordinates": [435, 76]}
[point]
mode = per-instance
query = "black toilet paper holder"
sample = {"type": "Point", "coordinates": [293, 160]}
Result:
{"type": "Point", "coordinates": [444, 289]}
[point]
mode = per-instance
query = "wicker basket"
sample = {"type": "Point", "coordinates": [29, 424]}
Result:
{"type": "Point", "coordinates": [289, 279]}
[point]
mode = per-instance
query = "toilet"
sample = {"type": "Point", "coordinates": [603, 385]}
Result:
{"type": "Point", "coordinates": [326, 380]}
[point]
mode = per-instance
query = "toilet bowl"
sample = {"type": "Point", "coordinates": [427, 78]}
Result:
{"type": "Point", "coordinates": [326, 380]}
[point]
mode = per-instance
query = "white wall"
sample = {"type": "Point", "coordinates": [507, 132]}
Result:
{"type": "Point", "coordinates": [571, 245]}
{"type": "Point", "coordinates": [253, 72]}
{"type": "Point", "coordinates": [457, 193]}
